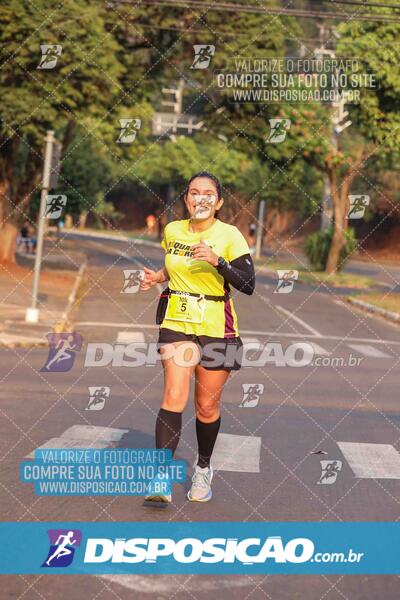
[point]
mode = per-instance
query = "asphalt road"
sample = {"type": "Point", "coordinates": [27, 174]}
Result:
{"type": "Point", "coordinates": [301, 410]}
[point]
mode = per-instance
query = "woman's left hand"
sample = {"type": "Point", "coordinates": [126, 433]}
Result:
{"type": "Point", "coordinates": [202, 251]}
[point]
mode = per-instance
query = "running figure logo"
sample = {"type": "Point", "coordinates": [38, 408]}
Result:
{"type": "Point", "coordinates": [97, 397]}
{"type": "Point", "coordinates": [129, 128]}
{"type": "Point", "coordinates": [279, 128]}
{"type": "Point", "coordinates": [63, 543]}
{"type": "Point", "coordinates": [50, 54]}
{"type": "Point", "coordinates": [55, 203]}
{"type": "Point", "coordinates": [62, 349]}
{"type": "Point", "coordinates": [251, 394]}
{"type": "Point", "coordinates": [330, 470]}
{"type": "Point", "coordinates": [132, 279]}
{"type": "Point", "coordinates": [357, 207]}
{"type": "Point", "coordinates": [203, 205]}
{"type": "Point", "coordinates": [203, 54]}
{"type": "Point", "coordinates": [286, 279]}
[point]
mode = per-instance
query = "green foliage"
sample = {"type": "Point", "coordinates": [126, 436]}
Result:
{"type": "Point", "coordinates": [318, 244]}
{"type": "Point", "coordinates": [375, 46]}
{"type": "Point", "coordinates": [86, 175]}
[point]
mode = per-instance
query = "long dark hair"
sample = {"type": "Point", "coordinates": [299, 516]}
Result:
{"type": "Point", "coordinates": [210, 176]}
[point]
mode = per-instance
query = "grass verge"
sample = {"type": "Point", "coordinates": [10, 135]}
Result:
{"type": "Point", "coordinates": [349, 280]}
{"type": "Point", "coordinates": [390, 302]}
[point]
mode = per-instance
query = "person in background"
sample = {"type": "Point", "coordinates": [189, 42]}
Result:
{"type": "Point", "coordinates": [252, 238]}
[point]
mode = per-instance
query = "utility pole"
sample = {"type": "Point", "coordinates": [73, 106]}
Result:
{"type": "Point", "coordinates": [32, 313]}
{"type": "Point", "coordinates": [260, 227]}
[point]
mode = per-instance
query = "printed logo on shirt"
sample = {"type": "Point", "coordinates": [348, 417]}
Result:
{"type": "Point", "coordinates": [178, 248]}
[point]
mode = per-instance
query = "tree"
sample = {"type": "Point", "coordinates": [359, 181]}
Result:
{"type": "Point", "coordinates": [79, 89]}
{"type": "Point", "coordinates": [376, 118]}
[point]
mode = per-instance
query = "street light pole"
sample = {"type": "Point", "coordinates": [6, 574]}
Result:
{"type": "Point", "coordinates": [260, 227]}
{"type": "Point", "coordinates": [32, 313]}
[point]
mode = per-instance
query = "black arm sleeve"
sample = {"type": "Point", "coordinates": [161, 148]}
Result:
{"type": "Point", "coordinates": [240, 274]}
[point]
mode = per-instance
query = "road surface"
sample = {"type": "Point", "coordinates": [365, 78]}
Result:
{"type": "Point", "coordinates": [340, 408]}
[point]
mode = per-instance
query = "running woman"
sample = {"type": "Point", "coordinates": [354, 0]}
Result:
{"type": "Point", "coordinates": [203, 258]}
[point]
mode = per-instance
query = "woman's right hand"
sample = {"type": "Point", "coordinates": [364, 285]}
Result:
{"type": "Point", "coordinates": [150, 279]}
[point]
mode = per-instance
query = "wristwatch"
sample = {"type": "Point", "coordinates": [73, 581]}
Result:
{"type": "Point", "coordinates": [221, 263]}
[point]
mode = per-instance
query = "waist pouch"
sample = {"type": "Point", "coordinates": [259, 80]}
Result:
{"type": "Point", "coordinates": [165, 294]}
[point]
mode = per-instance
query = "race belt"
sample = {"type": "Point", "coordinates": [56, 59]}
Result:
{"type": "Point", "coordinates": [188, 307]}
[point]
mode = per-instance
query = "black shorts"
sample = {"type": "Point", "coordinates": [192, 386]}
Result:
{"type": "Point", "coordinates": [217, 354]}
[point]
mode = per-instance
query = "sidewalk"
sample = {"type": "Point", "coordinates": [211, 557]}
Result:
{"type": "Point", "coordinates": [15, 297]}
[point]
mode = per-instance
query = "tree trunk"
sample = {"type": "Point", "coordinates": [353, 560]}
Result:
{"type": "Point", "coordinates": [340, 199]}
{"type": "Point", "coordinates": [338, 241]}
{"type": "Point", "coordinates": [8, 242]}
{"type": "Point", "coordinates": [8, 226]}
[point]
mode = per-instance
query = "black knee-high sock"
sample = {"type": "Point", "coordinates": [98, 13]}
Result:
{"type": "Point", "coordinates": [168, 429]}
{"type": "Point", "coordinates": [206, 437]}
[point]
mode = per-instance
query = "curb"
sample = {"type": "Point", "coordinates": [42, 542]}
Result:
{"type": "Point", "coordinates": [377, 310]}
{"type": "Point", "coordinates": [19, 341]}
{"type": "Point", "coordinates": [115, 238]}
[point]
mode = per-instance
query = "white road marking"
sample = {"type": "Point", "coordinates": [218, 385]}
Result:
{"type": "Point", "coordinates": [240, 453]}
{"type": "Point", "coordinates": [276, 334]}
{"type": "Point", "coordinates": [94, 432]}
{"type": "Point", "coordinates": [369, 351]}
{"type": "Point", "coordinates": [251, 343]}
{"type": "Point", "coordinates": [246, 332]}
{"type": "Point", "coordinates": [167, 586]}
{"type": "Point", "coordinates": [61, 442]}
{"type": "Point", "coordinates": [320, 350]}
{"type": "Point", "coordinates": [129, 337]}
{"type": "Point", "coordinates": [115, 324]}
{"type": "Point", "coordinates": [84, 436]}
{"type": "Point", "coordinates": [139, 264]}
{"type": "Point", "coordinates": [300, 321]}
{"type": "Point", "coordinates": [376, 461]}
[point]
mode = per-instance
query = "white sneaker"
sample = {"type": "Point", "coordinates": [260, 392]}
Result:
{"type": "Point", "coordinates": [201, 485]}
{"type": "Point", "coordinates": [157, 495]}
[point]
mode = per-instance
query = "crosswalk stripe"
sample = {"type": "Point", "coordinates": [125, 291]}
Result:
{"type": "Point", "coordinates": [129, 337]}
{"type": "Point", "coordinates": [169, 586]}
{"type": "Point", "coordinates": [372, 461]}
{"type": "Point", "coordinates": [319, 349]}
{"type": "Point", "coordinates": [369, 351]}
{"type": "Point", "coordinates": [84, 436]}
{"type": "Point", "coordinates": [240, 453]}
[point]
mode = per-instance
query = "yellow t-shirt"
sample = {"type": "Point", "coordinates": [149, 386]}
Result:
{"type": "Point", "coordinates": [198, 276]}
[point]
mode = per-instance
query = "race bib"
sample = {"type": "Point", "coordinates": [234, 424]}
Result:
{"type": "Point", "coordinates": [182, 307]}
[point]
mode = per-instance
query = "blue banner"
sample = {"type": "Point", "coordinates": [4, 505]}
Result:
{"type": "Point", "coordinates": [208, 548]}
{"type": "Point", "coordinates": [105, 472]}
